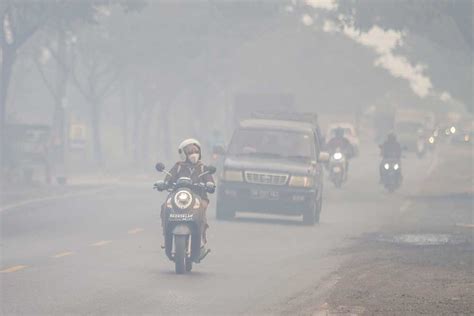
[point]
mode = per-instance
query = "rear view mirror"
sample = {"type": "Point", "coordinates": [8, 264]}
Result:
{"type": "Point", "coordinates": [323, 157]}
{"type": "Point", "coordinates": [218, 150]}
{"type": "Point", "coordinates": [160, 167]}
{"type": "Point", "coordinates": [211, 169]}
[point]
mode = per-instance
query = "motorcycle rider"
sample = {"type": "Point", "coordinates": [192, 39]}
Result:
{"type": "Point", "coordinates": [390, 149]}
{"type": "Point", "coordinates": [339, 141]}
{"type": "Point", "coordinates": [192, 167]}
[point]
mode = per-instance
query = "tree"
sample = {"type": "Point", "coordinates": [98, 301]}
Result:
{"type": "Point", "coordinates": [20, 20]}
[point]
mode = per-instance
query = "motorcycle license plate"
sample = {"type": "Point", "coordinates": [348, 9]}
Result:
{"type": "Point", "coordinates": [181, 217]}
{"type": "Point", "coordinates": [265, 195]}
{"type": "Point", "coordinates": [336, 169]}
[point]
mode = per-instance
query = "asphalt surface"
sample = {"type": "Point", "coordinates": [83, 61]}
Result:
{"type": "Point", "coordinates": [99, 252]}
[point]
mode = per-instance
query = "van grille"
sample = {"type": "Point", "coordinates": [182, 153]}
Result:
{"type": "Point", "coordinates": [266, 178]}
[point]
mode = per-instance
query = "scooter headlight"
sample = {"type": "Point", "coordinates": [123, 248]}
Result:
{"type": "Point", "coordinates": [337, 156]}
{"type": "Point", "coordinates": [431, 140]}
{"type": "Point", "coordinates": [396, 166]}
{"type": "Point", "coordinates": [183, 199]}
{"type": "Point", "coordinates": [386, 166]}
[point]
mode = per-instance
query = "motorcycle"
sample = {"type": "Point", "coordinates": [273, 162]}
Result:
{"type": "Point", "coordinates": [337, 168]}
{"type": "Point", "coordinates": [184, 219]}
{"type": "Point", "coordinates": [391, 174]}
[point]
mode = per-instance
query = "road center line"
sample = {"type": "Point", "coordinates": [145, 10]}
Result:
{"type": "Point", "coordinates": [101, 243]}
{"type": "Point", "coordinates": [13, 269]}
{"type": "Point", "coordinates": [135, 231]}
{"type": "Point", "coordinates": [63, 254]}
{"type": "Point", "coordinates": [465, 225]}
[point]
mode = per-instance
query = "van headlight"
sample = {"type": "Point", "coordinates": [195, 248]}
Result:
{"type": "Point", "coordinates": [301, 182]}
{"type": "Point", "coordinates": [386, 166]}
{"type": "Point", "coordinates": [396, 166]}
{"type": "Point", "coordinates": [233, 176]}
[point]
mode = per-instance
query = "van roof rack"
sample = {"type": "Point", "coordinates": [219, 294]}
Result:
{"type": "Point", "coordinates": [307, 117]}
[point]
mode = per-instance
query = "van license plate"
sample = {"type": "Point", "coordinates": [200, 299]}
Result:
{"type": "Point", "coordinates": [265, 195]}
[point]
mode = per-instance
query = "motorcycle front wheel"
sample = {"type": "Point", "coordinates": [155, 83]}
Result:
{"type": "Point", "coordinates": [180, 253]}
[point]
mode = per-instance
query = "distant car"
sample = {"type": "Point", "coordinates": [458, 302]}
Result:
{"type": "Point", "coordinates": [272, 166]}
{"type": "Point", "coordinates": [349, 133]}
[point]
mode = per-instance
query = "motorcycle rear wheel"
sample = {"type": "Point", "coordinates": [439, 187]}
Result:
{"type": "Point", "coordinates": [180, 254]}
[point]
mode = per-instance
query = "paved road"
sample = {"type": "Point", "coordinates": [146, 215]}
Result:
{"type": "Point", "coordinates": [99, 253]}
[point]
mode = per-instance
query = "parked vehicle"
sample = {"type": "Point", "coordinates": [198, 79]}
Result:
{"type": "Point", "coordinates": [28, 150]}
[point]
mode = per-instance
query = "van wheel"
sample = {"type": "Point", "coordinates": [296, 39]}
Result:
{"type": "Point", "coordinates": [311, 215]}
{"type": "Point", "coordinates": [318, 209]}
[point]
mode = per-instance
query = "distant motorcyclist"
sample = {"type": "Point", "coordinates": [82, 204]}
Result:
{"type": "Point", "coordinates": [339, 141]}
{"type": "Point", "coordinates": [342, 144]}
{"type": "Point", "coordinates": [192, 167]}
{"type": "Point", "coordinates": [390, 150]}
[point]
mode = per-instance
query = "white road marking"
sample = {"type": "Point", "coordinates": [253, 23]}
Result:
{"type": "Point", "coordinates": [13, 269]}
{"type": "Point", "coordinates": [101, 243]}
{"type": "Point", "coordinates": [465, 225]}
{"type": "Point", "coordinates": [135, 231]}
{"type": "Point", "coordinates": [52, 198]}
{"type": "Point", "coordinates": [63, 254]}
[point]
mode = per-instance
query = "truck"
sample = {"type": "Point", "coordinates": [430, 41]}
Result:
{"type": "Point", "coordinates": [413, 128]}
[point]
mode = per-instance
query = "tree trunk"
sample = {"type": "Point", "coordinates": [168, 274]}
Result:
{"type": "Point", "coordinates": [59, 116]}
{"type": "Point", "coordinates": [136, 132]}
{"type": "Point", "coordinates": [166, 135]}
{"type": "Point", "coordinates": [145, 146]}
{"type": "Point", "coordinates": [123, 101]}
{"type": "Point", "coordinates": [96, 136]}
{"type": "Point", "coordinates": [8, 60]}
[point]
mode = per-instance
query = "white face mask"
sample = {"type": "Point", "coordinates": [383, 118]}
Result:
{"type": "Point", "coordinates": [193, 158]}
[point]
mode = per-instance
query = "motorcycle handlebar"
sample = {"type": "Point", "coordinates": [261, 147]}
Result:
{"type": "Point", "coordinates": [172, 186]}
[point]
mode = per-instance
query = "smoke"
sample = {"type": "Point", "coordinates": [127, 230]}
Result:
{"type": "Point", "coordinates": [384, 43]}
{"type": "Point", "coordinates": [329, 5]}
{"type": "Point", "coordinates": [307, 20]}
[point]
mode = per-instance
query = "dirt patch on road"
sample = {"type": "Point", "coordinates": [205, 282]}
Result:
{"type": "Point", "coordinates": [389, 278]}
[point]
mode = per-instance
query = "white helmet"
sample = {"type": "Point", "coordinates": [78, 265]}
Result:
{"type": "Point", "coordinates": [187, 142]}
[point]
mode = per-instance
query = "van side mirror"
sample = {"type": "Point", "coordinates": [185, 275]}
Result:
{"type": "Point", "coordinates": [323, 157]}
{"type": "Point", "coordinates": [218, 150]}
{"type": "Point", "coordinates": [211, 169]}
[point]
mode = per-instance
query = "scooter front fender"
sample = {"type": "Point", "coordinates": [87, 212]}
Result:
{"type": "Point", "coordinates": [181, 230]}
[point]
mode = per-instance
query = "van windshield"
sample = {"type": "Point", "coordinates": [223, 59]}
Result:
{"type": "Point", "coordinates": [408, 127]}
{"type": "Point", "coordinates": [273, 144]}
